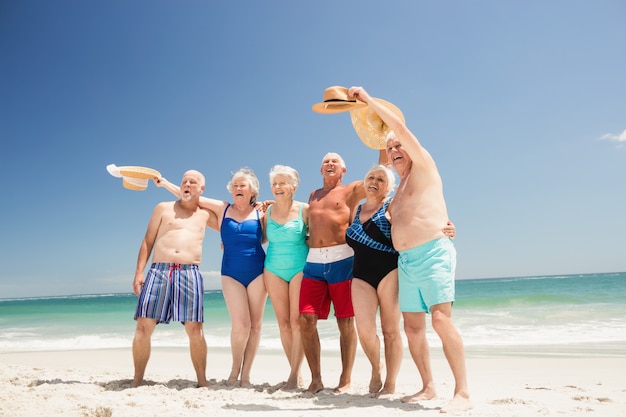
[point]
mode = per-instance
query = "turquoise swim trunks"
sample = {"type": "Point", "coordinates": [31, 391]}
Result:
{"type": "Point", "coordinates": [426, 275]}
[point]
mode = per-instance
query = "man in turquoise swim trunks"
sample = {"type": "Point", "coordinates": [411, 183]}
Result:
{"type": "Point", "coordinates": [427, 259]}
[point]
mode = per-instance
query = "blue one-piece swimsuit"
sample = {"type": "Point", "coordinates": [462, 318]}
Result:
{"type": "Point", "coordinates": [243, 255]}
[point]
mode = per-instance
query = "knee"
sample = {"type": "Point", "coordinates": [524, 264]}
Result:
{"type": "Point", "coordinates": [307, 323]}
{"type": "Point", "coordinates": [391, 335]}
{"type": "Point", "coordinates": [346, 325]}
{"type": "Point", "coordinates": [414, 328]}
{"type": "Point", "coordinates": [144, 329]}
{"type": "Point", "coordinates": [194, 330]}
{"type": "Point", "coordinates": [285, 325]}
{"type": "Point", "coordinates": [440, 321]}
{"type": "Point", "coordinates": [294, 324]}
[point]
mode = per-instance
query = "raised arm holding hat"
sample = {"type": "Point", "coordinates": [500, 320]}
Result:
{"type": "Point", "coordinates": [427, 258]}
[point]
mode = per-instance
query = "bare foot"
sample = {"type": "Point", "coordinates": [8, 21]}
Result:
{"type": "Point", "coordinates": [424, 395]}
{"type": "Point", "coordinates": [315, 387]}
{"type": "Point", "coordinates": [386, 391]}
{"type": "Point", "coordinates": [458, 403]}
{"type": "Point", "coordinates": [291, 384]}
{"type": "Point", "coordinates": [135, 384]}
{"type": "Point", "coordinates": [342, 388]}
{"type": "Point", "coordinates": [231, 381]}
{"type": "Point", "coordinates": [245, 384]}
{"type": "Point", "coordinates": [375, 384]}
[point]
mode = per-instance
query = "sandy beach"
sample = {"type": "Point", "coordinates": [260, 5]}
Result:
{"type": "Point", "coordinates": [96, 383]}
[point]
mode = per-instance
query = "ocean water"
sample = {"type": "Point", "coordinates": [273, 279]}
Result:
{"type": "Point", "coordinates": [551, 315]}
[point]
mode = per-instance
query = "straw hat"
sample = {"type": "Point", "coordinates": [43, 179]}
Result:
{"type": "Point", "coordinates": [370, 127]}
{"type": "Point", "coordinates": [336, 101]}
{"type": "Point", "coordinates": [133, 177]}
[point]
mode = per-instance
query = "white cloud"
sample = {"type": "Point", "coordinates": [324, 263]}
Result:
{"type": "Point", "coordinates": [615, 138]}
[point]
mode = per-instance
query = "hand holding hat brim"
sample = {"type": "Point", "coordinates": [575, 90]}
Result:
{"type": "Point", "coordinates": [370, 127]}
{"type": "Point", "coordinates": [133, 177]}
{"type": "Point", "coordinates": [336, 100]}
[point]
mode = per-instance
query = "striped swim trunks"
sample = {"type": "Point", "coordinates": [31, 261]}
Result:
{"type": "Point", "coordinates": [172, 292]}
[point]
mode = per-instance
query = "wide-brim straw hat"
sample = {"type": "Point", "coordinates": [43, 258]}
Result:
{"type": "Point", "coordinates": [133, 177]}
{"type": "Point", "coordinates": [336, 101]}
{"type": "Point", "coordinates": [370, 127]}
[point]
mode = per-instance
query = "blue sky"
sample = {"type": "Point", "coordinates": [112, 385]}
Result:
{"type": "Point", "coordinates": [522, 105]}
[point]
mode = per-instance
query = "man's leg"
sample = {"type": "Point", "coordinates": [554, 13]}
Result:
{"type": "Point", "coordinates": [455, 354]}
{"type": "Point", "coordinates": [141, 348]}
{"type": "Point", "coordinates": [415, 330]}
{"type": "Point", "coordinates": [347, 343]}
{"type": "Point", "coordinates": [198, 350]}
{"type": "Point", "coordinates": [312, 350]}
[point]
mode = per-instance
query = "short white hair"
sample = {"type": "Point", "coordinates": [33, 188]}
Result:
{"type": "Point", "coordinates": [341, 161]}
{"type": "Point", "coordinates": [289, 172]}
{"type": "Point", "coordinates": [391, 179]}
{"type": "Point", "coordinates": [249, 176]}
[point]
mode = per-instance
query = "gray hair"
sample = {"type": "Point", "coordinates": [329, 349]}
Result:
{"type": "Point", "coordinates": [391, 179]}
{"type": "Point", "coordinates": [289, 172]}
{"type": "Point", "coordinates": [249, 176]}
{"type": "Point", "coordinates": [341, 161]}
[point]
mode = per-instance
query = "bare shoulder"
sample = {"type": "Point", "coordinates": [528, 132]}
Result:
{"type": "Point", "coordinates": [164, 205]}
{"type": "Point", "coordinates": [305, 210]}
{"type": "Point", "coordinates": [313, 193]}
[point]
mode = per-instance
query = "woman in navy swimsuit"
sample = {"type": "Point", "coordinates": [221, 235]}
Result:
{"type": "Point", "coordinates": [241, 228]}
{"type": "Point", "coordinates": [375, 282]}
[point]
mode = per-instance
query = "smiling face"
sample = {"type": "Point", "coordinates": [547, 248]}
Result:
{"type": "Point", "coordinates": [281, 187]}
{"type": "Point", "coordinates": [396, 154]}
{"type": "Point", "coordinates": [376, 183]}
{"type": "Point", "coordinates": [379, 182]}
{"type": "Point", "coordinates": [333, 166]}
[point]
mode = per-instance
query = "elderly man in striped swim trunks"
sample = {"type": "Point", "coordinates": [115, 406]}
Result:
{"type": "Point", "coordinates": [173, 288]}
{"type": "Point", "coordinates": [427, 259]}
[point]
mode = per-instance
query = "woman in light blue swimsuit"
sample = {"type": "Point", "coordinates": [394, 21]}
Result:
{"type": "Point", "coordinates": [286, 223]}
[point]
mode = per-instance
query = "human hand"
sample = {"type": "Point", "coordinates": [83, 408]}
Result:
{"type": "Point", "coordinates": [158, 181]}
{"type": "Point", "coordinates": [449, 230]}
{"type": "Point", "coordinates": [263, 205]}
{"type": "Point", "coordinates": [359, 93]}
{"type": "Point", "coordinates": [138, 284]}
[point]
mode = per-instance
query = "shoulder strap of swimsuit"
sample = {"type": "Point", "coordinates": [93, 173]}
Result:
{"type": "Point", "coordinates": [225, 210]}
{"type": "Point", "coordinates": [357, 214]}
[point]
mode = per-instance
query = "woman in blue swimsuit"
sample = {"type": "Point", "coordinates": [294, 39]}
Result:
{"type": "Point", "coordinates": [286, 224]}
{"type": "Point", "coordinates": [241, 228]}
